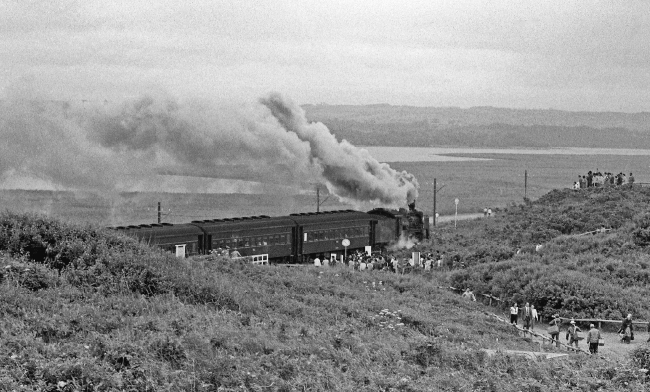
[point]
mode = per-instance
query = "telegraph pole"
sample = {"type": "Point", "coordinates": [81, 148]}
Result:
{"type": "Point", "coordinates": [317, 198]}
{"type": "Point", "coordinates": [434, 201]}
{"type": "Point", "coordinates": [159, 212]}
{"type": "Point", "coordinates": [525, 184]}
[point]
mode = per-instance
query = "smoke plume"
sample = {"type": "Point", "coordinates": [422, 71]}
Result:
{"type": "Point", "coordinates": [107, 147]}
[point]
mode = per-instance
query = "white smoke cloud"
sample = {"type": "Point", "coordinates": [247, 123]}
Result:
{"type": "Point", "coordinates": [122, 147]}
{"type": "Point", "coordinates": [404, 242]}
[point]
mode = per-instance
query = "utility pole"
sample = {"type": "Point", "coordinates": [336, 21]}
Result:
{"type": "Point", "coordinates": [525, 184]}
{"type": "Point", "coordinates": [159, 212]}
{"type": "Point", "coordinates": [434, 201]}
{"type": "Point", "coordinates": [317, 198]}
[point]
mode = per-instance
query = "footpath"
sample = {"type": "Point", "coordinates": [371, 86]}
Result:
{"type": "Point", "coordinates": [614, 349]}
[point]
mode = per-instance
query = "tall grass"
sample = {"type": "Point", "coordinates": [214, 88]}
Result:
{"type": "Point", "coordinates": [121, 316]}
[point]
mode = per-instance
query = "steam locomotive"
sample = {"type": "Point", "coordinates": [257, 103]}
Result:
{"type": "Point", "coordinates": [289, 239]}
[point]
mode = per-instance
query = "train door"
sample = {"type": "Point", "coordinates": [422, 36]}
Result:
{"type": "Point", "coordinates": [373, 229]}
{"type": "Point", "coordinates": [201, 244]}
{"type": "Point", "coordinates": [296, 243]}
{"type": "Point", "coordinates": [208, 244]}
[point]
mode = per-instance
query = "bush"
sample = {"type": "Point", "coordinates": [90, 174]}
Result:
{"type": "Point", "coordinates": [641, 357]}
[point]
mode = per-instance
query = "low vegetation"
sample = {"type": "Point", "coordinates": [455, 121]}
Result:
{"type": "Point", "coordinates": [86, 309]}
{"type": "Point", "coordinates": [535, 252]}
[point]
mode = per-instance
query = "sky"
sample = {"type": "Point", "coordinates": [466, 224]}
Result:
{"type": "Point", "coordinates": [570, 55]}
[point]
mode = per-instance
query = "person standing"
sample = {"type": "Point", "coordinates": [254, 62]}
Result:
{"type": "Point", "coordinates": [593, 337]}
{"type": "Point", "coordinates": [554, 330]}
{"type": "Point", "coordinates": [572, 333]}
{"type": "Point", "coordinates": [590, 179]}
{"type": "Point", "coordinates": [627, 330]}
{"type": "Point", "coordinates": [630, 180]}
{"type": "Point", "coordinates": [582, 181]}
{"type": "Point", "coordinates": [533, 317]}
{"type": "Point", "coordinates": [527, 314]}
{"type": "Point", "coordinates": [514, 314]}
{"type": "Point", "coordinates": [317, 262]}
{"type": "Point", "coordinates": [468, 295]}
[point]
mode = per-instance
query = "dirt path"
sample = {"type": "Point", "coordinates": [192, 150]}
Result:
{"type": "Point", "coordinates": [613, 349]}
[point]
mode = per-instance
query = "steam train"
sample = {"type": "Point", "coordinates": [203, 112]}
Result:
{"type": "Point", "coordinates": [289, 239]}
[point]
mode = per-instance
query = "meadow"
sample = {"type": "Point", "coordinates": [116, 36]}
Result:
{"type": "Point", "coordinates": [100, 312]}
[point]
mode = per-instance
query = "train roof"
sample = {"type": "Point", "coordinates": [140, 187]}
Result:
{"type": "Point", "coordinates": [329, 216]}
{"type": "Point", "coordinates": [143, 229]}
{"type": "Point", "coordinates": [388, 213]}
{"type": "Point", "coordinates": [242, 223]}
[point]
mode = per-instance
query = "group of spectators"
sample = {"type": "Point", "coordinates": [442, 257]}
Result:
{"type": "Point", "coordinates": [530, 318]}
{"type": "Point", "coordinates": [598, 179]}
{"type": "Point", "coordinates": [361, 261]}
{"type": "Point", "coordinates": [593, 339]}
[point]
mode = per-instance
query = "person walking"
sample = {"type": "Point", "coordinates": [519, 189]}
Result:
{"type": "Point", "coordinates": [554, 330]}
{"type": "Point", "coordinates": [572, 333]}
{"type": "Point", "coordinates": [593, 338]}
{"type": "Point", "coordinates": [514, 314]}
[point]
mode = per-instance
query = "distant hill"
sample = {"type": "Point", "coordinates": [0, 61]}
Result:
{"type": "Point", "coordinates": [482, 126]}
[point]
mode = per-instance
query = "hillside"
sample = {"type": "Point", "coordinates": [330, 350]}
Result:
{"type": "Point", "coordinates": [100, 312]}
{"type": "Point", "coordinates": [481, 126]}
{"type": "Point", "coordinates": [605, 275]}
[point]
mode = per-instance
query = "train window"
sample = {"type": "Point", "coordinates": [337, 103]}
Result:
{"type": "Point", "coordinates": [326, 235]}
{"type": "Point", "coordinates": [247, 242]}
{"type": "Point", "coordinates": [258, 241]}
{"type": "Point", "coordinates": [265, 241]}
{"type": "Point", "coordinates": [283, 239]}
{"type": "Point", "coordinates": [278, 239]}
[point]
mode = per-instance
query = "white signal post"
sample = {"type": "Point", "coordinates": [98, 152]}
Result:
{"type": "Point", "coordinates": [456, 215]}
{"type": "Point", "coordinates": [345, 243]}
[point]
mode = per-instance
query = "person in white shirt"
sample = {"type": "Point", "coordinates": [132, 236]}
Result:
{"type": "Point", "coordinates": [514, 314]}
{"type": "Point", "coordinates": [317, 262]}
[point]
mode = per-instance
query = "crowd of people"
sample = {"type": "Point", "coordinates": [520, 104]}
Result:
{"type": "Point", "coordinates": [598, 179]}
{"type": "Point", "coordinates": [362, 261]}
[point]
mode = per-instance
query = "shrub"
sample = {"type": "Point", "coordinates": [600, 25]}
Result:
{"type": "Point", "coordinates": [641, 357]}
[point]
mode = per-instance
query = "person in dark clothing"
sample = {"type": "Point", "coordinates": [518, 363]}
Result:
{"type": "Point", "coordinates": [627, 330]}
{"type": "Point", "coordinates": [554, 330]}
{"type": "Point", "coordinates": [590, 179]}
{"type": "Point", "coordinates": [593, 338]}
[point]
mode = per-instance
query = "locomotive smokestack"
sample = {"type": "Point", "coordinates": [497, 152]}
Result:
{"type": "Point", "coordinates": [412, 206]}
